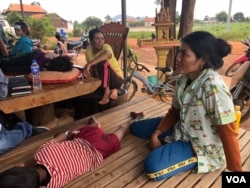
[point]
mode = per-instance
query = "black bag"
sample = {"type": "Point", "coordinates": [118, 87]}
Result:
{"type": "Point", "coordinates": [17, 64]}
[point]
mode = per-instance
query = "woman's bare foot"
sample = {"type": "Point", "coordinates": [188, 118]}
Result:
{"type": "Point", "coordinates": [92, 121]}
{"type": "Point", "coordinates": [104, 101]}
{"type": "Point", "coordinates": [105, 98]}
{"type": "Point", "coordinates": [113, 94]}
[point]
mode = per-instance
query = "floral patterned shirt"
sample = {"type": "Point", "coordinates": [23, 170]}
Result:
{"type": "Point", "coordinates": [204, 104]}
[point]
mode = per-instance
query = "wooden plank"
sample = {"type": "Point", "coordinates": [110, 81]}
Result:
{"type": "Point", "coordinates": [174, 181]}
{"type": "Point", "coordinates": [140, 180]}
{"type": "Point", "coordinates": [127, 177]}
{"type": "Point", "coordinates": [115, 174]}
{"type": "Point", "coordinates": [116, 160]}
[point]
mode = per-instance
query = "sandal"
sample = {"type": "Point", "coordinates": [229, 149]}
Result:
{"type": "Point", "coordinates": [137, 116]}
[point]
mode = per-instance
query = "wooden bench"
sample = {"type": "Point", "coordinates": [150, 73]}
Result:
{"type": "Point", "coordinates": [125, 168]}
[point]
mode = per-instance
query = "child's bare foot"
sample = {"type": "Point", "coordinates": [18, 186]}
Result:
{"type": "Point", "coordinates": [92, 121]}
{"type": "Point", "coordinates": [113, 94]}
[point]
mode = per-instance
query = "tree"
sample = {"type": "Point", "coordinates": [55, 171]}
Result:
{"type": "Point", "coordinates": [221, 16]}
{"type": "Point", "coordinates": [187, 18]}
{"type": "Point", "coordinates": [108, 18]}
{"type": "Point", "coordinates": [206, 18]}
{"type": "Point", "coordinates": [158, 3]}
{"type": "Point", "coordinates": [177, 18]}
{"type": "Point", "coordinates": [186, 23]}
{"type": "Point", "coordinates": [40, 28]}
{"type": "Point", "coordinates": [36, 3]}
{"type": "Point", "coordinates": [92, 22]}
{"type": "Point", "coordinates": [172, 6]}
{"type": "Point", "coordinates": [12, 17]}
{"type": "Point", "coordinates": [78, 29]}
{"type": "Point", "coordinates": [239, 16]}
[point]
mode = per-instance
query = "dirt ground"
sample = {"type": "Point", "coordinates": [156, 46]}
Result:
{"type": "Point", "coordinates": [148, 56]}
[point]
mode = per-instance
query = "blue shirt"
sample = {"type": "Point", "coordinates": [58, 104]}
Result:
{"type": "Point", "coordinates": [22, 46]}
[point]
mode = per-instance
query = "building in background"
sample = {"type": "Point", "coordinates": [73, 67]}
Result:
{"type": "Point", "coordinates": [37, 11]}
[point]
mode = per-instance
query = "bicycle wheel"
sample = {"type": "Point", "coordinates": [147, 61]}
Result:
{"type": "Point", "coordinates": [167, 92]}
{"type": "Point", "coordinates": [130, 88]}
{"type": "Point", "coordinates": [166, 96]}
{"type": "Point", "coordinates": [232, 69]}
{"type": "Point", "coordinates": [171, 80]}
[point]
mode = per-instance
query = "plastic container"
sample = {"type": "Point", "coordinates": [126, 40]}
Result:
{"type": "Point", "coordinates": [35, 71]}
{"type": "Point", "coordinates": [237, 113]}
{"type": "Point", "coordinates": [153, 79]}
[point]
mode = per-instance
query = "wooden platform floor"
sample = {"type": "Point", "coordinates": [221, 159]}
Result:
{"type": "Point", "coordinates": [125, 168]}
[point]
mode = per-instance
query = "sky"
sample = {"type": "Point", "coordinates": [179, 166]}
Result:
{"type": "Point", "coordinates": [79, 10]}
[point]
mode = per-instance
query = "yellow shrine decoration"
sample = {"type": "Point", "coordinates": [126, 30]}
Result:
{"type": "Point", "coordinates": [163, 41]}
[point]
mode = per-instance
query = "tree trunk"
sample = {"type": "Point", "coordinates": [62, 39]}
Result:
{"type": "Point", "coordinates": [172, 6]}
{"type": "Point", "coordinates": [171, 55]}
{"type": "Point", "coordinates": [187, 18]}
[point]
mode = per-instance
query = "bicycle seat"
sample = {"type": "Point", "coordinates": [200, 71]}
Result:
{"type": "Point", "coordinates": [166, 70]}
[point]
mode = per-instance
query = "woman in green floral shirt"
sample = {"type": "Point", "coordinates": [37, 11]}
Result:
{"type": "Point", "coordinates": [198, 130]}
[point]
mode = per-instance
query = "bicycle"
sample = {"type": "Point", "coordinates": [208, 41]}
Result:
{"type": "Point", "coordinates": [165, 90]}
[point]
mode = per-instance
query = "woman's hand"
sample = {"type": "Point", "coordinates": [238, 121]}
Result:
{"type": "Point", "coordinates": [86, 71]}
{"type": "Point", "coordinates": [154, 140]}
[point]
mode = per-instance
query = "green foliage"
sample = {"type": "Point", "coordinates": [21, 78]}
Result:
{"type": "Point", "coordinates": [140, 34]}
{"type": "Point", "coordinates": [158, 2]}
{"type": "Point", "coordinates": [221, 16]}
{"type": "Point", "coordinates": [40, 28]}
{"type": "Point", "coordinates": [108, 18]}
{"type": "Point", "coordinates": [92, 22]}
{"type": "Point", "coordinates": [239, 16]}
{"type": "Point", "coordinates": [12, 17]}
{"type": "Point", "coordinates": [78, 28]}
{"type": "Point", "coordinates": [237, 32]}
{"type": "Point", "coordinates": [137, 24]}
{"type": "Point", "coordinates": [177, 17]}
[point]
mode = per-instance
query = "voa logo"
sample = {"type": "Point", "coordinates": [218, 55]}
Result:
{"type": "Point", "coordinates": [236, 179]}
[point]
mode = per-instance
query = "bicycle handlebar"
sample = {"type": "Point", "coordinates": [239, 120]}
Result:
{"type": "Point", "coordinates": [246, 42]}
{"type": "Point", "coordinates": [139, 66]}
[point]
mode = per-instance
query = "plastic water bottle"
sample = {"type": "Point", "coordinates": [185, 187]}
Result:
{"type": "Point", "coordinates": [35, 71]}
{"type": "Point", "coordinates": [237, 113]}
